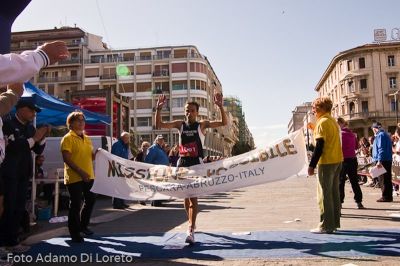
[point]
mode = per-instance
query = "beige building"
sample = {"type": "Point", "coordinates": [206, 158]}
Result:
{"type": "Point", "coordinates": [133, 78]}
{"type": "Point", "coordinates": [301, 116]}
{"type": "Point", "coordinates": [233, 105]}
{"type": "Point", "coordinates": [362, 82]}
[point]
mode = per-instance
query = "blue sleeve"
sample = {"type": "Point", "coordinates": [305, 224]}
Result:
{"type": "Point", "coordinates": [116, 149]}
{"type": "Point", "coordinates": [379, 144]}
{"type": "Point", "coordinates": [150, 156]}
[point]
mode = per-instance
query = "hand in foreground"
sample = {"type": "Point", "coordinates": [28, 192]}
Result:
{"type": "Point", "coordinates": [218, 99]}
{"type": "Point", "coordinates": [56, 51]}
{"type": "Point", "coordinates": [162, 99]}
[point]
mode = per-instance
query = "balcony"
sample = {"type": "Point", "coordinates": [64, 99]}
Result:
{"type": "Point", "coordinates": [108, 77]}
{"type": "Point", "coordinates": [70, 61]}
{"type": "Point", "coordinates": [58, 79]}
{"type": "Point", "coordinates": [162, 73]}
{"type": "Point", "coordinates": [370, 115]}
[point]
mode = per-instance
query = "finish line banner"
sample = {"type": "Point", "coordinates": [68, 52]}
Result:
{"type": "Point", "coordinates": [117, 177]}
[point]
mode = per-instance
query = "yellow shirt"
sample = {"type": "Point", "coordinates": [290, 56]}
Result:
{"type": "Point", "coordinates": [81, 154]}
{"type": "Point", "coordinates": [328, 129]}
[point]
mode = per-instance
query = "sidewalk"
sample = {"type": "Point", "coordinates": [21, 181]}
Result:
{"type": "Point", "coordinates": [285, 209]}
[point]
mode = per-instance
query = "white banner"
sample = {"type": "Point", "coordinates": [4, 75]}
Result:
{"type": "Point", "coordinates": [117, 177]}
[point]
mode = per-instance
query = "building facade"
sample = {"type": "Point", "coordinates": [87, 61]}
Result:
{"type": "Point", "coordinates": [132, 80]}
{"type": "Point", "coordinates": [362, 83]}
{"type": "Point", "coordinates": [301, 116]}
{"type": "Point", "coordinates": [233, 105]}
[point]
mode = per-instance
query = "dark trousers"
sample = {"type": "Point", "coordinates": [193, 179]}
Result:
{"type": "Point", "coordinates": [15, 191]}
{"type": "Point", "coordinates": [385, 181]}
{"type": "Point", "coordinates": [117, 202]}
{"type": "Point", "coordinates": [349, 168]}
{"type": "Point", "coordinates": [79, 219]}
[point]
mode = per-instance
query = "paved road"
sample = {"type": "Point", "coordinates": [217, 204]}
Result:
{"type": "Point", "coordinates": [288, 205]}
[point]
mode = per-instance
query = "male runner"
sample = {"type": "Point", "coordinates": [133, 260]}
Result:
{"type": "Point", "coordinates": [191, 141]}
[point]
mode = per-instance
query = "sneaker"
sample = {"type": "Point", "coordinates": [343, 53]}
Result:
{"type": "Point", "coordinates": [87, 232]}
{"type": "Point", "coordinates": [360, 205]}
{"type": "Point", "coordinates": [18, 248]}
{"type": "Point", "coordinates": [321, 231]}
{"type": "Point", "coordinates": [190, 237]}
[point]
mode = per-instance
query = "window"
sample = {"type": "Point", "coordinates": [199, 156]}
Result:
{"type": "Point", "coordinates": [392, 82]}
{"type": "Point", "coordinates": [179, 85]}
{"type": "Point", "coordinates": [179, 67]}
{"type": "Point", "coordinates": [144, 121]}
{"type": "Point", "coordinates": [349, 65]}
{"type": "Point", "coordinates": [391, 60]}
{"type": "Point", "coordinates": [364, 106]}
{"type": "Point", "coordinates": [144, 104]}
{"type": "Point", "coordinates": [363, 84]}
{"type": "Point", "coordinates": [393, 105]}
{"type": "Point", "coordinates": [179, 102]}
{"type": "Point", "coordinates": [361, 62]}
{"type": "Point", "coordinates": [350, 86]}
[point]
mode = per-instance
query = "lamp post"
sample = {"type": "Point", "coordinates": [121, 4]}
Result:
{"type": "Point", "coordinates": [395, 106]}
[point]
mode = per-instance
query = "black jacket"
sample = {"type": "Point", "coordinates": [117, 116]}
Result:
{"type": "Point", "coordinates": [18, 161]}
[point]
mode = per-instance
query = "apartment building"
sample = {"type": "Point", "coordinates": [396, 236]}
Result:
{"type": "Point", "coordinates": [66, 79]}
{"type": "Point", "coordinates": [233, 105]}
{"type": "Point", "coordinates": [301, 116]}
{"type": "Point", "coordinates": [131, 80]}
{"type": "Point", "coordinates": [362, 83]}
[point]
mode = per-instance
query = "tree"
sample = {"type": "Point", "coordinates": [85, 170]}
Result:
{"type": "Point", "coordinates": [240, 147]}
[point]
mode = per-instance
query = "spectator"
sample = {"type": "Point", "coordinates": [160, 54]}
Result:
{"type": "Point", "coordinates": [328, 155]}
{"type": "Point", "coordinates": [157, 155]}
{"type": "Point", "coordinates": [16, 170]}
{"type": "Point", "coordinates": [78, 155]}
{"type": "Point", "coordinates": [121, 149]}
{"type": "Point", "coordinates": [371, 140]}
{"type": "Point", "coordinates": [349, 165]}
{"type": "Point", "coordinates": [141, 156]}
{"type": "Point", "coordinates": [167, 149]}
{"type": "Point", "coordinates": [382, 156]}
{"type": "Point", "coordinates": [364, 147]}
{"type": "Point", "coordinates": [174, 156]}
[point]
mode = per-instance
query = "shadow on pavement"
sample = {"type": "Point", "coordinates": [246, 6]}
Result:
{"type": "Point", "coordinates": [360, 244]}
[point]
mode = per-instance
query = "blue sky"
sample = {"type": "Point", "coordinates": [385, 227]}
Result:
{"type": "Point", "coordinates": [270, 54]}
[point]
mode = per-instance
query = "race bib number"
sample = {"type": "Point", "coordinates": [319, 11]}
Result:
{"type": "Point", "coordinates": [189, 150]}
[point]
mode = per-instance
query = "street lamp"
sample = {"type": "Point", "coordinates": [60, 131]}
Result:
{"type": "Point", "coordinates": [395, 106]}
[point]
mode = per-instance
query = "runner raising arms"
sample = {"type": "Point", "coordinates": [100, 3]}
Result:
{"type": "Point", "coordinates": [191, 141]}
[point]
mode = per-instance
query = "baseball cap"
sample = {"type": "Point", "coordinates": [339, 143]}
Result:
{"type": "Point", "coordinates": [159, 137]}
{"type": "Point", "coordinates": [376, 125]}
{"type": "Point", "coordinates": [29, 104]}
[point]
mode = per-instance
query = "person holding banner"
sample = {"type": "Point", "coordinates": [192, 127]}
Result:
{"type": "Point", "coordinates": [191, 141]}
{"type": "Point", "coordinates": [78, 156]}
{"type": "Point", "coordinates": [328, 155]}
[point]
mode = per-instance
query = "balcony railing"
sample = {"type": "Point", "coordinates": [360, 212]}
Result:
{"type": "Point", "coordinates": [58, 79]}
{"type": "Point", "coordinates": [108, 76]}
{"type": "Point", "coordinates": [370, 115]}
{"type": "Point", "coordinates": [96, 60]}
{"type": "Point", "coordinates": [70, 61]}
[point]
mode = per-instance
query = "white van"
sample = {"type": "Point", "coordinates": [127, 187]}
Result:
{"type": "Point", "coordinates": [52, 156]}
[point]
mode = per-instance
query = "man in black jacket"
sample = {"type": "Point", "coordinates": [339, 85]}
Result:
{"type": "Point", "coordinates": [17, 170]}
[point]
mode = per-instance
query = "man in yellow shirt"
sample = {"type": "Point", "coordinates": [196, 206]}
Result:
{"type": "Point", "coordinates": [328, 155]}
